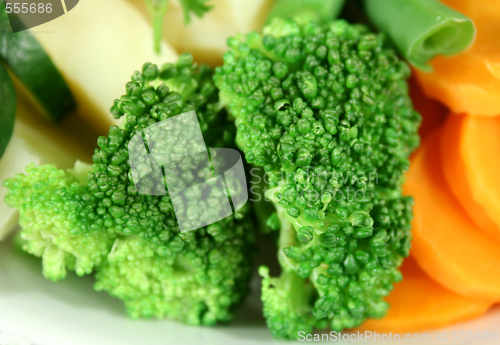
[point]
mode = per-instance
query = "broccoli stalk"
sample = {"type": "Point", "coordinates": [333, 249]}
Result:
{"type": "Point", "coordinates": [286, 299]}
{"type": "Point", "coordinates": [93, 218]}
{"type": "Point", "coordinates": [324, 111]}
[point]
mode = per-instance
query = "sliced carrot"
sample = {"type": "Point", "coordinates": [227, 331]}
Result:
{"type": "Point", "coordinates": [433, 113]}
{"type": "Point", "coordinates": [419, 303]}
{"type": "Point", "coordinates": [468, 148]}
{"type": "Point", "coordinates": [470, 82]}
{"type": "Point", "coordinates": [447, 244]}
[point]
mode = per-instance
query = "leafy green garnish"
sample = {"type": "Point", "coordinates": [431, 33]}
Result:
{"type": "Point", "coordinates": [158, 8]}
{"type": "Point", "coordinates": [197, 7]}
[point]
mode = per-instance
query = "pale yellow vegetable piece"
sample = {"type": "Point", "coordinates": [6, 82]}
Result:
{"type": "Point", "coordinates": [97, 46]}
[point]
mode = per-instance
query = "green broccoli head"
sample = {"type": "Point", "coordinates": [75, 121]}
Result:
{"type": "Point", "coordinates": [99, 221]}
{"type": "Point", "coordinates": [325, 112]}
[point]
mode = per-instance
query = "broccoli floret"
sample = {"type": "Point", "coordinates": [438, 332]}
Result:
{"type": "Point", "coordinates": [98, 221]}
{"type": "Point", "coordinates": [56, 214]}
{"type": "Point", "coordinates": [324, 111]}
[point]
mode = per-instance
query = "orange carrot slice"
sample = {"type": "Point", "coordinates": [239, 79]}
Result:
{"type": "Point", "coordinates": [447, 244]}
{"type": "Point", "coordinates": [468, 145]}
{"type": "Point", "coordinates": [470, 82]}
{"type": "Point", "coordinates": [433, 113]}
{"type": "Point", "coordinates": [419, 303]}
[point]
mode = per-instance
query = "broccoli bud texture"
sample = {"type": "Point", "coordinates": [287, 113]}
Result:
{"type": "Point", "coordinates": [94, 220]}
{"type": "Point", "coordinates": [324, 111]}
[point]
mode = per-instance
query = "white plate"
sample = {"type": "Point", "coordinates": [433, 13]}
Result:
{"type": "Point", "coordinates": [36, 311]}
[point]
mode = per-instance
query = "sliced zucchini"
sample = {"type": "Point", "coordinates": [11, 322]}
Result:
{"type": "Point", "coordinates": [7, 108]}
{"type": "Point", "coordinates": [34, 69]}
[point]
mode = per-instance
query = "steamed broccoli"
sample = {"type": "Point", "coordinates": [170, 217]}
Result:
{"type": "Point", "coordinates": [324, 111]}
{"type": "Point", "coordinates": [92, 219]}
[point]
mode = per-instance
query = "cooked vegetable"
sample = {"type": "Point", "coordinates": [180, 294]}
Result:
{"type": "Point", "coordinates": [7, 109]}
{"type": "Point", "coordinates": [89, 44]}
{"type": "Point", "coordinates": [33, 141]}
{"type": "Point", "coordinates": [470, 169]}
{"type": "Point", "coordinates": [422, 29]}
{"type": "Point", "coordinates": [470, 82]}
{"type": "Point", "coordinates": [38, 76]}
{"type": "Point", "coordinates": [419, 303]}
{"type": "Point", "coordinates": [448, 246]}
{"type": "Point", "coordinates": [325, 112]}
{"type": "Point", "coordinates": [433, 113]}
{"type": "Point", "coordinates": [158, 8]}
{"type": "Point", "coordinates": [99, 221]}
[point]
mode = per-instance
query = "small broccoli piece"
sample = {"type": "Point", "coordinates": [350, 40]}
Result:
{"type": "Point", "coordinates": [324, 111]}
{"type": "Point", "coordinates": [56, 215]}
{"type": "Point", "coordinates": [97, 221]}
